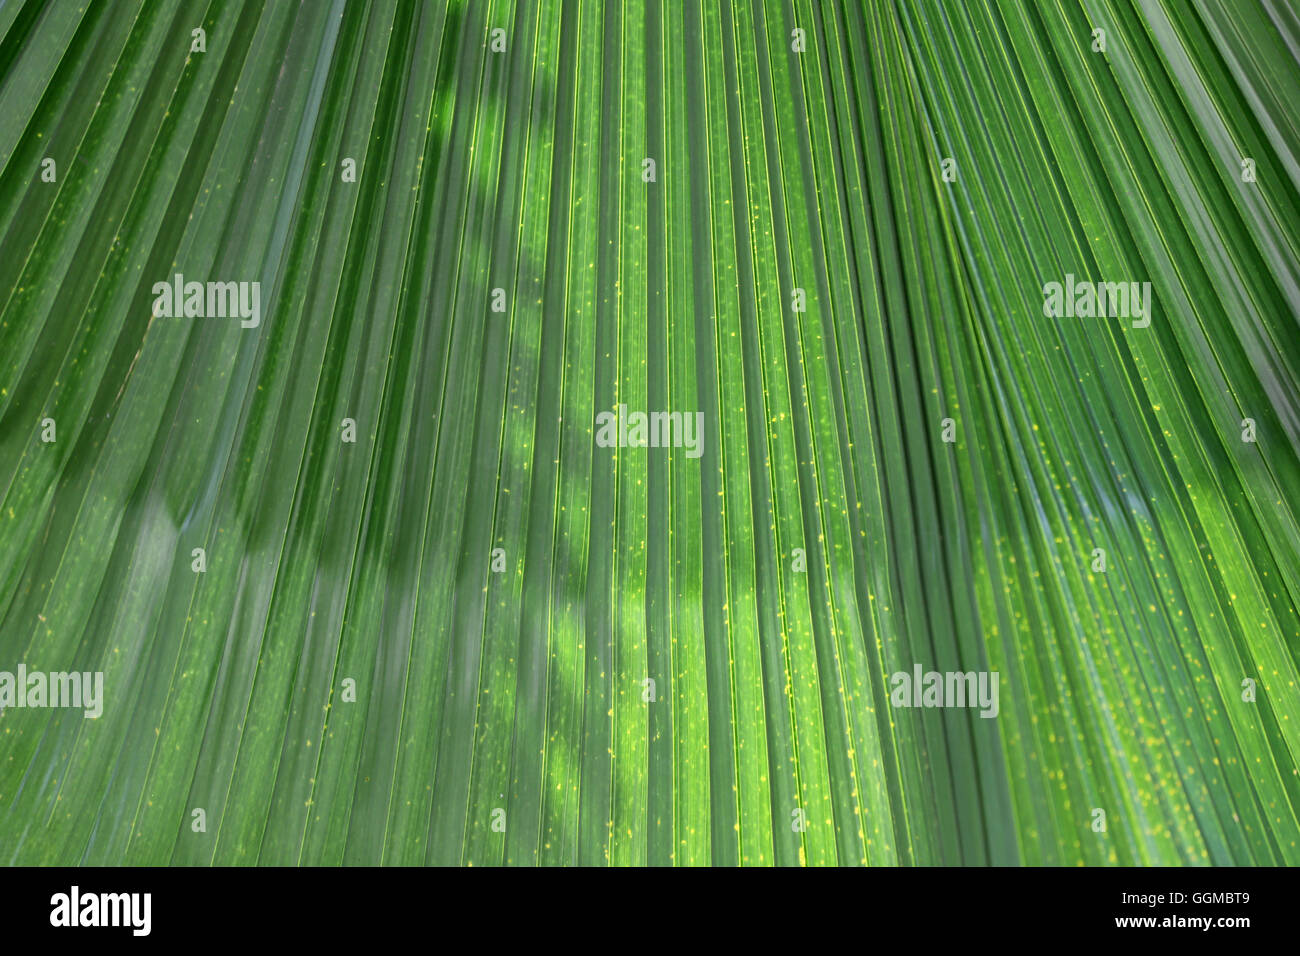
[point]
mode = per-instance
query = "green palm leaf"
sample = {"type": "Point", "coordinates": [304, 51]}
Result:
{"type": "Point", "coordinates": [476, 634]}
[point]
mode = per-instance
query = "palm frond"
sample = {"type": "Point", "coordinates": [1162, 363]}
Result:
{"type": "Point", "coordinates": [475, 634]}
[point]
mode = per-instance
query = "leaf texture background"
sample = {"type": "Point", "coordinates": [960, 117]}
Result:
{"type": "Point", "coordinates": [523, 690]}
